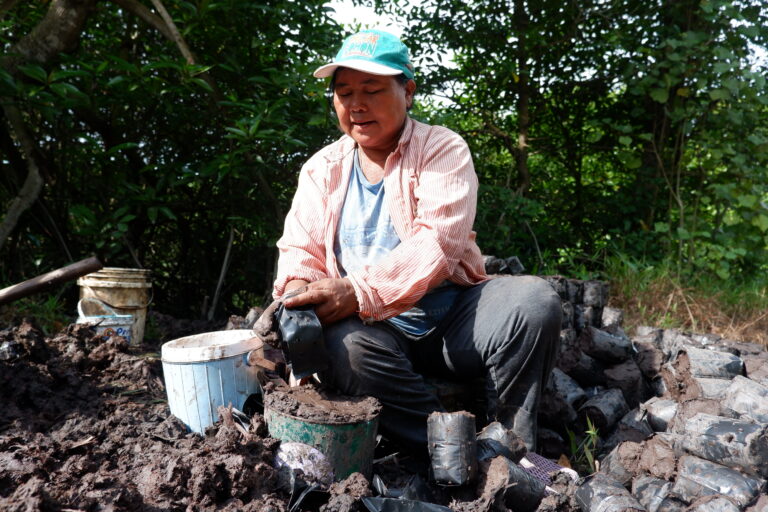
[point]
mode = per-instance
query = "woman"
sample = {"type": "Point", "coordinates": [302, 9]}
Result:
{"type": "Point", "coordinates": [379, 237]}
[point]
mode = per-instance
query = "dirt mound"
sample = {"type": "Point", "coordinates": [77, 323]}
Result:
{"type": "Point", "coordinates": [86, 427]}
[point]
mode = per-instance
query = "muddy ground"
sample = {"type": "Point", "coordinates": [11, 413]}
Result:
{"type": "Point", "coordinates": [85, 426]}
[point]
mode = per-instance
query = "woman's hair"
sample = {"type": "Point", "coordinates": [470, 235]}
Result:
{"type": "Point", "coordinates": [401, 79]}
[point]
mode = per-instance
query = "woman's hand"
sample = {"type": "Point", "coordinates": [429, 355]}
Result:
{"type": "Point", "coordinates": [334, 299]}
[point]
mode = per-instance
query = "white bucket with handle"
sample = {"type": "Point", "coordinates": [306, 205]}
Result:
{"type": "Point", "coordinates": [104, 319]}
{"type": "Point", "coordinates": [205, 371]}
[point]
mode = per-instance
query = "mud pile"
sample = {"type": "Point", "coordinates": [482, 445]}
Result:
{"type": "Point", "coordinates": [85, 426]}
{"type": "Point", "coordinates": [681, 423]}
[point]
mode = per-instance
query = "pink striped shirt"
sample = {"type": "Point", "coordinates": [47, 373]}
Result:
{"type": "Point", "coordinates": [431, 193]}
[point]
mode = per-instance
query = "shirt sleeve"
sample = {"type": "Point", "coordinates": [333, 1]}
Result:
{"type": "Point", "coordinates": [446, 202]}
{"type": "Point", "coordinates": [301, 248]}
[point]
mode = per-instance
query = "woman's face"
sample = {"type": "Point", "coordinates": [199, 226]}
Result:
{"type": "Point", "coordinates": [371, 108]}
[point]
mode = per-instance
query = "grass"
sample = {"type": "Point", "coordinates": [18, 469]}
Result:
{"type": "Point", "coordinates": [583, 451]}
{"type": "Point", "coordinates": [46, 311]}
{"type": "Point", "coordinates": [655, 295]}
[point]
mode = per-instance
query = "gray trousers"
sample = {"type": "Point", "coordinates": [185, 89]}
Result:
{"type": "Point", "coordinates": [506, 330]}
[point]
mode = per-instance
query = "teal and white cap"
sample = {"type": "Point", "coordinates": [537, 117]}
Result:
{"type": "Point", "coordinates": [371, 51]}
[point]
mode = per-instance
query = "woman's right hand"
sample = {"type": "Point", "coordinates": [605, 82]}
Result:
{"type": "Point", "coordinates": [334, 299]}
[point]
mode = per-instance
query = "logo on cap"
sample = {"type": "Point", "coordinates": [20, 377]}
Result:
{"type": "Point", "coordinates": [362, 44]}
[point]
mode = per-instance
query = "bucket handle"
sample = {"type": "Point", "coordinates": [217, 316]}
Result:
{"type": "Point", "coordinates": [151, 297]}
{"type": "Point", "coordinates": [262, 363]}
{"type": "Point", "coordinates": [254, 359]}
{"type": "Point", "coordinates": [106, 307]}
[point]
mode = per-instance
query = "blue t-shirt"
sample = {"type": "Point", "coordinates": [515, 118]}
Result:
{"type": "Point", "coordinates": [365, 234]}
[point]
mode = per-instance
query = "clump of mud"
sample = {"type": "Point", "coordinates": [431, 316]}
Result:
{"type": "Point", "coordinates": [321, 405]}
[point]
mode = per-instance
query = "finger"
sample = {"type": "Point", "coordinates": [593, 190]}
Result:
{"type": "Point", "coordinates": [294, 292]}
{"type": "Point", "coordinates": [306, 297]}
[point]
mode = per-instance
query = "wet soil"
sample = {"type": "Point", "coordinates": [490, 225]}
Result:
{"type": "Point", "coordinates": [84, 425]}
{"type": "Point", "coordinates": [677, 377]}
{"type": "Point", "coordinates": [321, 405]}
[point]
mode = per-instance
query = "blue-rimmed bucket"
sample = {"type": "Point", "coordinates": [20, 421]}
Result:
{"type": "Point", "coordinates": [104, 319]}
{"type": "Point", "coordinates": [205, 371]}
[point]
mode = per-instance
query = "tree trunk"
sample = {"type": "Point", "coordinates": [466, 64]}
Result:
{"type": "Point", "coordinates": [523, 99]}
{"type": "Point", "coordinates": [58, 31]}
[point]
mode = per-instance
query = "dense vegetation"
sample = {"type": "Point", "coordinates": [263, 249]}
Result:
{"type": "Point", "coordinates": [170, 135]}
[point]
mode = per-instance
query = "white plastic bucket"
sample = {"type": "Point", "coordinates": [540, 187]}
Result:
{"type": "Point", "coordinates": [104, 319]}
{"type": "Point", "coordinates": [126, 290]}
{"type": "Point", "coordinates": [205, 371]}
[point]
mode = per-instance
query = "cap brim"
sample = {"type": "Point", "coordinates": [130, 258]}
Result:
{"type": "Point", "coordinates": [358, 64]}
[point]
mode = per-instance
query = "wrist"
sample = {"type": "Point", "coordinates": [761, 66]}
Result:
{"type": "Point", "coordinates": [350, 292]}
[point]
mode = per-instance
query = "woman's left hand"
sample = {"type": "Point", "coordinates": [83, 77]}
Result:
{"type": "Point", "coordinates": [334, 299]}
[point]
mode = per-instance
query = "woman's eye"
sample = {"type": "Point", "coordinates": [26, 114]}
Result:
{"type": "Point", "coordinates": [375, 92]}
{"type": "Point", "coordinates": [343, 95]}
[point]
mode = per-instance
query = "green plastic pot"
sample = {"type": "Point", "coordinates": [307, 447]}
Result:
{"type": "Point", "coordinates": [348, 446]}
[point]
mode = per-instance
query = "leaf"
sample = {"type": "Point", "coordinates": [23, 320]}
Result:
{"type": "Point", "coordinates": [626, 141]}
{"type": "Point", "coordinates": [167, 212]}
{"type": "Point", "coordinates": [683, 234]}
{"type": "Point", "coordinates": [67, 90]}
{"type": "Point", "coordinates": [748, 201]}
{"type": "Point", "coordinates": [59, 89]}
{"type": "Point", "coordinates": [661, 227]}
{"type": "Point", "coordinates": [761, 222]}
{"type": "Point", "coordinates": [202, 83]}
{"type": "Point", "coordinates": [236, 131]}
{"type": "Point", "coordinates": [116, 80]}
{"type": "Point", "coordinates": [35, 72]}
{"type": "Point", "coordinates": [719, 94]}
{"type": "Point", "coordinates": [683, 92]}
{"type": "Point", "coordinates": [61, 74]}
{"type": "Point", "coordinates": [119, 147]}
{"type": "Point", "coordinates": [660, 95]}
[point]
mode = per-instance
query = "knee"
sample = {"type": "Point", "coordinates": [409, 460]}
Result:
{"type": "Point", "coordinates": [355, 348]}
{"type": "Point", "coordinates": [548, 304]}
{"type": "Point", "coordinates": [344, 350]}
{"type": "Point", "coordinates": [537, 302]}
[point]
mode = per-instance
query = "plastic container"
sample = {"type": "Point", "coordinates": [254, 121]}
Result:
{"type": "Point", "coordinates": [126, 290]}
{"type": "Point", "coordinates": [347, 446]}
{"type": "Point", "coordinates": [205, 371]}
{"type": "Point", "coordinates": [104, 319]}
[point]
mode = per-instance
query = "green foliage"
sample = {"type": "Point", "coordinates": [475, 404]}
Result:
{"type": "Point", "coordinates": [644, 125]}
{"type": "Point", "coordinates": [637, 127]}
{"type": "Point", "coordinates": [584, 449]}
{"type": "Point", "coordinates": [150, 160]}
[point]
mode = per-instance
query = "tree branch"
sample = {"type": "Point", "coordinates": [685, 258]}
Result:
{"type": "Point", "coordinates": [138, 9]}
{"type": "Point", "coordinates": [165, 25]}
{"type": "Point", "coordinates": [33, 184]}
{"type": "Point", "coordinates": [181, 44]}
{"type": "Point", "coordinates": [175, 34]}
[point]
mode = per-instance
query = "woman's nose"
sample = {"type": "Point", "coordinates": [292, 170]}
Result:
{"type": "Point", "coordinates": [356, 103]}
